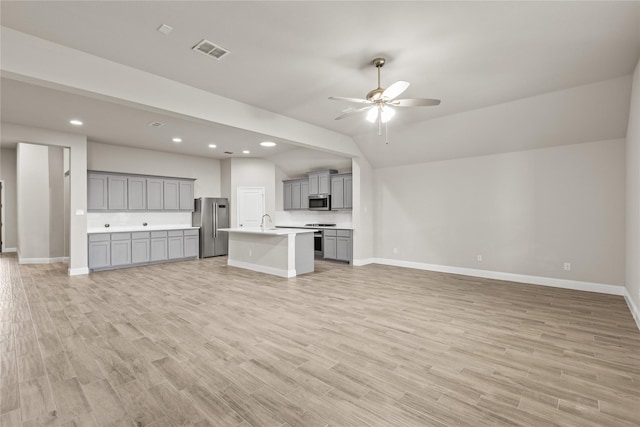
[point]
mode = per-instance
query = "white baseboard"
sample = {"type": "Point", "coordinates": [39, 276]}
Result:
{"type": "Point", "coordinates": [361, 262]}
{"type": "Point", "coordinates": [78, 271]}
{"type": "Point", "coordinates": [602, 288]}
{"type": "Point", "coordinates": [9, 250]}
{"type": "Point", "coordinates": [262, 269]}
{"type": "Point", "coordinates": [632, 307]}
{"type": "Point", "coordinates": [23, 260]}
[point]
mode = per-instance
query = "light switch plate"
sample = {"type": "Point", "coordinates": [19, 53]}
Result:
{"type": "Point", "coordinates": [79, 212]}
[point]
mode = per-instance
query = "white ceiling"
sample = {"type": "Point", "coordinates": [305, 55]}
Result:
{"type": "Point", "coordinates": [289, 57]}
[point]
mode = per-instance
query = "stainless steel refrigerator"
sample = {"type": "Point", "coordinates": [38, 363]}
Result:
{"type": "Point", "coordinates": [210, 215]}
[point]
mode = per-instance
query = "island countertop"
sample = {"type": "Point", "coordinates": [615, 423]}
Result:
{"type": "Point", "coordinates": [133, 228]}
{"type": "Point", "coordinates": [268, 231]}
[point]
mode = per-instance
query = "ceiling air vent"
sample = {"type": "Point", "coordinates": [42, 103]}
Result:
{"type": "Point", "coordinates": [228, 152]}
{"type": "Point", "coordinates": [210, 49]}
{"type": "Point", "coordinates": [155, 124]}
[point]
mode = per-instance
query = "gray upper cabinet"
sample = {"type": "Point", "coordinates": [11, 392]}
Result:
{"type": "Point", "coordinates": [117, 193]}
{"type": "Point", "coordinates": [304, 194]}
{"type": "Point", "coordinates": [286, 195]}
{"type": "Point", "coordinates": [111, 191]}
{"type": "Point", "coordinates": [314, 186]}
{"type": "Point", "coordinates": [137, 193]}
{"type": "Point", "coordinates": [186, 195]}
{"type": "Point", "coordinates": [341, 191]}
{"type": "Point", "coordinates": [320, 181]}
{"type": "Point", "coordinates": [171, 195]}
{"type": "Point", "coordinates": [97, 192]}
{"type": "Point", "coordinates": [296, 200]}
{"type": "Point", "coordinates": [155, 191]}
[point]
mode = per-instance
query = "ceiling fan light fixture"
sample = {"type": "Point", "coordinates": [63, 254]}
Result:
{"type": "Point", "coordinates": [372, 115]}
{"type": "Point", "coordinates": [387, 114]}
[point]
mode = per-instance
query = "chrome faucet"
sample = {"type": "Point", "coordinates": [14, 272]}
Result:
{"type": "Point", "coordinates": [262, 224]}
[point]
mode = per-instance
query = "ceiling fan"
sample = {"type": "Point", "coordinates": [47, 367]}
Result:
{"type": "Point", "coordinates": [380, 102]}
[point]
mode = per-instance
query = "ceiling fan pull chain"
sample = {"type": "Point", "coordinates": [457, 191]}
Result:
{"type": "Point", "coordinates": [379, 120]}
{"type": "Point", "coordinates": [386, 133]}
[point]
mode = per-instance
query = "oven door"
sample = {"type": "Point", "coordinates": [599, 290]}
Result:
{"type": "Point", "coordinates": [317, 244]}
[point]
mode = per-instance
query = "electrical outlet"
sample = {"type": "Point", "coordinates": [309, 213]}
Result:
{"type": "Point", "coordinates": [567, 266]}
{"type": "Point", "coordinates": [479, 258]}
{"type": "Point", "coordinates": [395, 250]}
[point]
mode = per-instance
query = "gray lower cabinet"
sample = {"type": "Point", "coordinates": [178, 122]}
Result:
{"type": "Point", "coordinates": [191, 244]}
{"type": "Point", "coordinates": [338, 245]}
{"type": "Point", "coordinates": [99, 251]}
{"type": "Point", "coordinates": [159, 246]}
{"type": "Point", "coordinates": [120, 249]}
{"type": "Point", "coordinates": [117, 250]}
{"type": "Point", "coordinates": [176, 244]}
{"type": "Point", "coordinates": [140, 247]}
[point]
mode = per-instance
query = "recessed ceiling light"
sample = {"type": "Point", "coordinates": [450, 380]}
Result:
{"type": "Point", "coordinates": [75, 122]}
{"type": "Point", "coordinates": [212, 145]}
{"type": "Point", "coordinates": [245, 151]}
{"type": "Point", "coordinates": [268, 144]}
{"type": "Point", "coordinates": [177, 139]}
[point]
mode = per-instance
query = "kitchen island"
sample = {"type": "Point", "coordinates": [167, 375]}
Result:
{"type": "Point", "coordinates": [284, 252]}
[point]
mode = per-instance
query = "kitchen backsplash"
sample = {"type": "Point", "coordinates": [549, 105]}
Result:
{"type": "Point", "coordinates": [341, 218]}
{"type": "Point", "coordinates": [128, 219]}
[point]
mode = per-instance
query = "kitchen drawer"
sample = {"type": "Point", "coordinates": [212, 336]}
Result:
{"type": "Point", "coordinates": [175, 233]}
{"type": "Point", "coordinates": [344, 233]}
{"type": "Point", "coordinates": [331, 233]}
{"type": "Point", "coordinates": [156, 234]}
{"type": "Point", "coordinates": [101, 237]}
{"type": "Point", "coordinates": [140, 235]}
{"type": "Point", "coordinates": [191, 232]}
{"type": "Point", "coordinates": [120, 236]}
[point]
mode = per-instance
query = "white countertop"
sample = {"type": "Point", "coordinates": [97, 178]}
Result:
{"type": "Point", "coordinates": [336, 227]}
{"type": "Point", "coordinates": [268, 231]}
{"type": "Point", "coordinates": [125, 229]}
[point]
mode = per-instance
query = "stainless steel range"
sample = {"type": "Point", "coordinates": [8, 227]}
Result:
{"type": "Point", "coordinates": [318, 240]}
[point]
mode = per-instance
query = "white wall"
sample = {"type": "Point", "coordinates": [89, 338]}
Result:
{"type": "Point", "coordinates": [33, 202]}
{"type": "Point", "coordinates": [632, 274]}
{"type": "Point", "coordinates": [115, 158]}
{"type": "Point", "coordinates": [525, 212]}
{"type": "Point", "coordinates": [57, 229]}
{"type": "Point", "coordinates": [364, 207]}
{"type": "Point", "coordinates": [78, 186]}
{"type": "Point", "coordinates": [252, 172]}
{"type": "Point", "coordinates": [8, 175]}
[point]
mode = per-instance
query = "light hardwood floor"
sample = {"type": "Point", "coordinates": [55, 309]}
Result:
{"type": "Point", "coordinates": [199, 343]}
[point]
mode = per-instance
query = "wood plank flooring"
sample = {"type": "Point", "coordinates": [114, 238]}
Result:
{"type": "Point", "coordinates": [198, 343]}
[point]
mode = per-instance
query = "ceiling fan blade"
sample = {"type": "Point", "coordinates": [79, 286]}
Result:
{"type": "Point", "coordinates": [415, 102]}
{"type": "Point", "coordinates": [352, 100]}
{"type": "Point", "coordinates": [353, 113]}
{"type": "Point", "coordinates": [395, 89]}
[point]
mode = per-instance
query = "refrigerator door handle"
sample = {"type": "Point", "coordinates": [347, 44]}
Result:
{"type": "Point", "coordinates": [215, 219]}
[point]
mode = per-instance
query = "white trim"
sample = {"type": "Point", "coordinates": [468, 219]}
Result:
{"type": "Point", "coordinates": [22, 260]}
{"type": "Point", "coordinates": [635, 312]}
{"type": "Point", "coordinates": [78, 271]}
{"type": "Point", "coordinates": [602, 288]}
{"type": "Point", "coordinates": [7, 250]}
{"type": "Point", "coordinates": [262, 269]}
{"type": "Point", "coordinates": [364, 261]}
{"type": "Point", "coordinates": [2, 216]}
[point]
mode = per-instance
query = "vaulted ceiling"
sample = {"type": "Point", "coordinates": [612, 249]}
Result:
{"type": "Point", "coordinates": [289, 57]}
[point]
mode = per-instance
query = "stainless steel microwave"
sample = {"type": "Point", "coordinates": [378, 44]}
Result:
{"type": "Point", "coordinates": [320, 202]}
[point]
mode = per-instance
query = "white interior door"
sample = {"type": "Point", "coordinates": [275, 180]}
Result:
{"type": "Point", "coordinates": [250, 206]}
